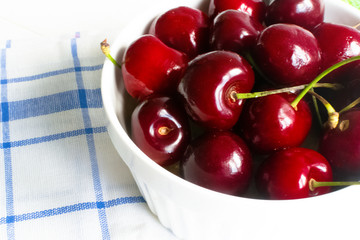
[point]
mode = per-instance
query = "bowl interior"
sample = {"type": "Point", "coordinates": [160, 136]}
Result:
{"type": "Point", "coordinates": [119, 104]}
{"type": "Point", "coordinates": [159, 182]}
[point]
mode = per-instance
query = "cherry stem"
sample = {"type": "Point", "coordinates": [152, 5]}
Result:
{"type": "Point", "coordinates": [282, 90]}
{"type": "Point", "coordinates": [250, 59]}
{"type": "Point", "coordinates": [333, 118]}
{"type": "Point", "coordinates": [105, 48]}
{"type": "Point", "coordinates": [316, 106]}
{"type": "Point", "coordinates": [315, 184]}
{"type": "Point", "coordinates": [330, 109]}
{"type": "Point", "coordinates": [357, 25]}
{"type": "Point", "coordinates": [320, 76]}
{"type": "Point", "coordinates": [350, 106]}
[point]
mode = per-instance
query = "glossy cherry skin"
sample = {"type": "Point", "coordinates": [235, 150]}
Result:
{"type": "Point", "coordinates": [149, 66]}
{"type": "Point", "coordinates": [220, 161]}
{"type": "Point", "coordinates": [270, 123]}
{"type": "Point", "coordinates": [341, 146]}
{"type": "Point", "coordinates": [287, 54]}
{"type": "Point", "coordinates": [160, 128]}
{"type": "Point", "coordinates": [304, 13]}
{"type": "Point", "coordinates": [255, 8]}
{"type": "Point", "coordinates": [184, 29]}
{"type": "Point", "coordinates": [235, 31]}
{"type": "Point", "coordinates": [344, 44]}
{"type": "Point", "coordinates": [208, 86]}
{"type": "Point", "coordinates": [286, 174]}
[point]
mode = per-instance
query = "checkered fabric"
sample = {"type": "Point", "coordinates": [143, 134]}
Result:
{"type": "Point", "coordinates": [60, 176]}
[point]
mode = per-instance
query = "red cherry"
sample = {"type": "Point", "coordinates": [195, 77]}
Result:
{"type": "Point", "coordinates": [149, 66]}
{"type": "Point", "coordinates": [255, 8]}
{"type": "Point", "coordinates": [220, 161]}
{"type": "Point", "coordinates": [234, 31]}
{"type": "Point", "coordinates": [184, 29]}
{"type": "Point", "coordinates": [341, 146]}
{"type": "Point", "coordinates": [344, 44]}
{"type": "Point", "coordinates": [287, 54]}
{"type": "Point", "coordinates": [304, 13]}
{"type": "Point", "coordinates": [208, 86]}
{"type": "Point", "coordinates": [286, 174]}
{"type": "Point", "coordinates": [270, 123]}
{"type": "Point", "coordinates": [159, 127]}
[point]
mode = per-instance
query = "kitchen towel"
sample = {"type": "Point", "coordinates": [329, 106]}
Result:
{"type": "Point", "coordinates": [60, 177]}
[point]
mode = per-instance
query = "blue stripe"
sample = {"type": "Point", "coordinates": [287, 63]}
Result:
{"type": "Point", "coordinates": [52, 137]}
{"type": "Point", "coordinates": [49, 104]}
{"type": "Point", "coordinates": [71, 208]}
{"type": "Point", "coordinates": [10, 227]}
{"type": "Point", "coordinates": [90, 142]}
{"type": "Point", "coordinates": [8, 44]}
{"type": "Point", "coordinates": [50, 74]}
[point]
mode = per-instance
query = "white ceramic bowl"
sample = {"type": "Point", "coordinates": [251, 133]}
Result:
{"type": "Point", "coordinates": [192, 212]}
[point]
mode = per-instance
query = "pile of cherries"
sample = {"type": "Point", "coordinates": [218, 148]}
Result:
{"type": "Point", "coordinates": [231, 96]}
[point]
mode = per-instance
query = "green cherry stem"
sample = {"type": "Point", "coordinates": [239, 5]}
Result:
{"type": "Point", "coordinates": [317, 111]}
{"type": "Point", "coordinates": [319, 77]}
{"type": "Point", "coordinates": [330, 109]}
{"type": "Point", "coordinates": [282, 90]}
{"type": "Point", "coordinates": [313, 184]}
{"type": "Point", "coordinates": [333, 118]}
{"type": "Point", "coordinates": [105, 48]}
{"type": "Point", "coordinates": [350, 106]}
{"type": "Point", "coordinates": [250, 59]}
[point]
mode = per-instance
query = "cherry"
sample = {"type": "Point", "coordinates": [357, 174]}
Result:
{"type": "Point", "coordinates": [270, 123]}
{"type": "Point", "coordinates": [341, 145]}
{"type": "Point", "coordinates": [286, 174]}
{"type": "Point", "coordinates": [184, 29]}
{"type": "Point", "coordinates": [208, 88]}
{"type": "Point", "coordinates": [304, 13]}
{"type": "Point", "coordinates": [159, 127]}
{"type": "Point", "coordinates": [234, 31]}
{"type": "Point", "coordinates": [344, 44]}
{"type": "Point", "coordinates": [287, 54]}
{"type": "Point", "coordinates": [149, 66]}
{"type": "Point", "coordinates": [255, 8]}
{"type": "Point", "coordinates": [218, 160]}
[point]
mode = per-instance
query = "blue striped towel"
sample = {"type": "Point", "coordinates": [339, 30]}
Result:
{"type": "Point", "coordinates": [60, 176]}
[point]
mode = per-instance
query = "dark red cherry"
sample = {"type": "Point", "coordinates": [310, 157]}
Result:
{"type": "Point", "coordinates": [159, 127]}
{"type": "Point", "coordinates": [270, 123]}
{"type": "Point", "coordinates": [255, 8]}
{"type": "Point", "coordinates": [304, 13]}
{"type": "Point", "coordinates": [287, 54]}
{"type": "Point", "coordinates": [149, 66]}
{"type": "Point", "coordinates": [220, 161]}
{"type": "Point", "coordinates": [234, 31]}
{"type": "Point", "coordinates": [344, 44]}
{"type": "Point", "coordinates": [341, 146]}
{"type": "Point", "coordinates": [286, 174]}
{"type": "Point", "coordinates": [183, 28]}
{"type": "Point", "coordinates": [208, 88]}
